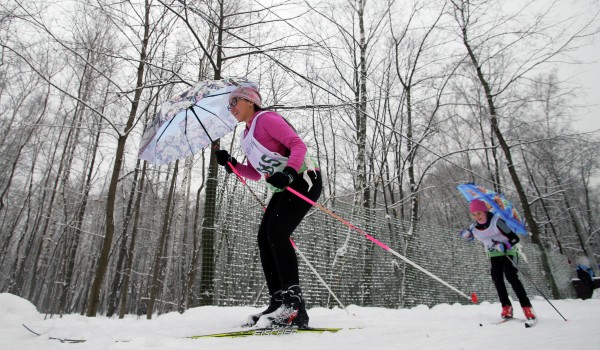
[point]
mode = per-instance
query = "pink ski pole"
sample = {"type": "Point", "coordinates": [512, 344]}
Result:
{"type": "Point", "coordinates": [382, 245]}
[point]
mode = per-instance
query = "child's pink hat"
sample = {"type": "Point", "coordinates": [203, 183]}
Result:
{"type": "Point", "coordinates": [478, 205]}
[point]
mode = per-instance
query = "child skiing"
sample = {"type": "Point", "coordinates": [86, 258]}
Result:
{"type": "Point", "coordinates": [274, 150]}
{"type": "Point", "coordinates": [500, 243]}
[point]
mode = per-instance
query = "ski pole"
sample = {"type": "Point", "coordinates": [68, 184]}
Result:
{"type": "Point", "coordinates": [533, 284]}
{"type": "Point", "coordinates": [472, 298]}
{"type": "Point", "coordinates": [247, 186]}
{"type": "Point", "coordinates": [291, 241]}
{"type": "Point", "coordinates": [318, 276]}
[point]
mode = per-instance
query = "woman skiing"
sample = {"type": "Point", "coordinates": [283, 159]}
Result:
{"type": "Point", "coordinates": [500, 243]}
{"type": "Point", "coordinates": [275, 151]}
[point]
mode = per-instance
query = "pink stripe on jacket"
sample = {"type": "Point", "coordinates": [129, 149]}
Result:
{"type": "Point", "coordinates": [275, 134]}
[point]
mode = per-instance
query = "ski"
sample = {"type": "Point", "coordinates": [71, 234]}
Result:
{"type": "Point", "coordinates": [528, 322]}
{"type": "Point", "coordinates": [62, 340]}
{"type": "Point", "coordinates": [502, 321]}
{"type": "Point", "coordinates": [266, 331]}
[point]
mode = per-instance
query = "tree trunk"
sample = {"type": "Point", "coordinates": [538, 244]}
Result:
{"type": "Point", "coordinates": [208, 236]}
{"type": "Point", "coordinates": [191, 275]}
{"type": "Point", "coordinates": [117, 282]}
{"type": "Point", "coordinates": [210, 205]}
{"type": "Point", "coordinates": [579, 228]}
{"type": "Point", "coordinates": [362, 186]}
{"type": "Point", "coordinates": [161, 248]}
{"type": "Point", "coordinates": [48, 216]}
{"type": "Point", "coordinates": [102, 261]}
{"type": "Point", "coordinates": [544, 205]}
{"type": "Point", "coordinates": [72, 252]}
{"type": "Point", "coordinates": [131, 250]}
{"type": "Point", "coordinates": [533, 227]}
{"type": "Point", "coordinates": [171, 285]}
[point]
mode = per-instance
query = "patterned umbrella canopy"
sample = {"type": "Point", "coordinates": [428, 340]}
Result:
{"type": "Point", "coordinates": [497, 203]}
{"type": "Point", "coordinates": [190, 121]}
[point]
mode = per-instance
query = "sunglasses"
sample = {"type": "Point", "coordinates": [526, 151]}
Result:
{"type": "Point", "coordinates": [234, 102]}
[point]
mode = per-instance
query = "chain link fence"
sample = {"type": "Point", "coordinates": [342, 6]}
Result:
{"type": "Point", "coordinates": [356, 270]}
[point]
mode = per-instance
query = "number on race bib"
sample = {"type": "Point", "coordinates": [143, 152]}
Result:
{"type": "Point", "coordinates": [268, 165]}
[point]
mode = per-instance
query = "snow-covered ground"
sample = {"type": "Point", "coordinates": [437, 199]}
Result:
{"type": "Point", "coordinates": [444, 326]}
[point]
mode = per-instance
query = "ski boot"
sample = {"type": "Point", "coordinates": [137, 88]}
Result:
{"type": "Point", "coordinates": [529, 314]}
{"type": "Point", "coordinates": [292, 313]}
{"type": "Point", "coordinates": [507, 312]}
{"type": "Point", "coordinates": [274, 303]}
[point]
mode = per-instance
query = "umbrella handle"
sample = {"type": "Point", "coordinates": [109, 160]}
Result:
{"type": "Point", "coordinates": [206, 131]}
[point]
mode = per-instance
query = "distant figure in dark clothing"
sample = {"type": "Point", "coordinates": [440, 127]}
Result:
{"type": "Point", "coordinates": [586, 276]}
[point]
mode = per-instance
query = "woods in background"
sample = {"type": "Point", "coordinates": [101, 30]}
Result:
{"type": "Point", "coordinates": [400, 101]}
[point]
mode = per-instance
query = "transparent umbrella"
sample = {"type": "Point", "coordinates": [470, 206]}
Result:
{"type": "Point", "coordinates": [190, 121]}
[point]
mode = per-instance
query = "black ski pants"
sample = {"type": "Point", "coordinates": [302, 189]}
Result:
{"type": "Point", "coordinates": [284, 213]}
{"type": "Point", "coordinates": [503, 267]}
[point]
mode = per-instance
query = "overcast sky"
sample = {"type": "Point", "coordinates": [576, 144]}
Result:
{"type": "Point", "coordinates": [588, 77]}
{"type": "Point", "coordinates": [587, 74]}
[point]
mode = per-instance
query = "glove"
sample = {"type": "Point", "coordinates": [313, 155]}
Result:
{"type": "Point", "coordinates": [283, 178]}
{"type": "Point", "coordinates": [502, 246]}
{"type": "Point", "coordinates": [223, 157]}
{"type": "Point", "coordinates": [467, 235]}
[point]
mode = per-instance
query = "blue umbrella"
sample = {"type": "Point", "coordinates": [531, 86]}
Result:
{"type": "Point", "coordinates": [497, 203]}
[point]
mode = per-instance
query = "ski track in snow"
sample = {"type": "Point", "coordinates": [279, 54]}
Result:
{"type": "Point", "coordinates": [444, 326]}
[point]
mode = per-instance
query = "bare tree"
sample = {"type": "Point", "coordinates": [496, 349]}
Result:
{"type": "Point", "coordinates": [102, 262]}
{"type": "Point", "coordinates": [414, 65]}
{"type": "Point", "coordinates": [487, 44]}
{"type": "Point", "coordinates": [397, 110]}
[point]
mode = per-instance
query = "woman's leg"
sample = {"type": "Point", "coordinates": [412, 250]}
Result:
{"type": "Point", "coordinates": [288, 212]}
{"type": "Point", "coordinates": [264, 248]}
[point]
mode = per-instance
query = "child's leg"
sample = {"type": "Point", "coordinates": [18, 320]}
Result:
{"type": "Point", "coordinates": [497, 272]}
{"type": "Point", "coordinates": [511, 273]}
